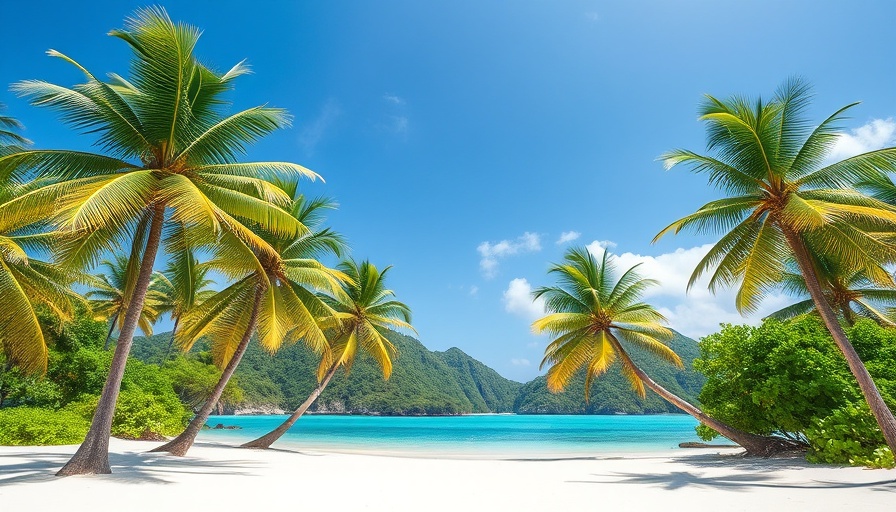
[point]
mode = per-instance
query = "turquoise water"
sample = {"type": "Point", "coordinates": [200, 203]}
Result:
{"type": "Point", "coordinates": [468, 436]}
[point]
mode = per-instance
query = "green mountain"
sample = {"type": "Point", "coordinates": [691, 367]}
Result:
{"type": "Point", "coordinates": [427, 382]}
{"type": "Point", "coordinates": [422, 381]}
{"type": "Point", "coordinates": [612, 394]}
{"type": "Point", "coordinates": [485, 388]}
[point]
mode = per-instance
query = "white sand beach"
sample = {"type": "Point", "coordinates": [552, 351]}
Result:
{"type": "Point", "coordinates": [217, 477]}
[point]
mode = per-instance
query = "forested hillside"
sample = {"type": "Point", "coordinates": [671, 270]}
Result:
{"type": "Point", "coordinates": [427, 382]}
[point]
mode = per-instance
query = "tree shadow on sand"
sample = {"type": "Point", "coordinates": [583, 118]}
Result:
{"type": "Point", "coordinates": [747, 473]}
{"type": "Point", "coordinates": [129, 467]}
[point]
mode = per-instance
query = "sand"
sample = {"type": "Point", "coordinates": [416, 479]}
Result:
{"type": "Point", "coordinates": [223, 478]}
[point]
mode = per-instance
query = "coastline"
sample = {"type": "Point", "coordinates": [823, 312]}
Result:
{"type": "Point", "coordinates": [222, 475]}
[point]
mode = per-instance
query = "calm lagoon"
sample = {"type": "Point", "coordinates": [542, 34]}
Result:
{"type": "Point", "coordinates": [468, 436]}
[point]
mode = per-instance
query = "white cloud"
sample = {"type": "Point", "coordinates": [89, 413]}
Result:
{"type": "Point", "coordinates": [592, 16]}
{"type": "Point", "coordinates": [876, 134]}
{"type": "Point", "coordinates": [397, 122]}
{"type": "Point", "coordinates": [695, 313]}
{"type": "Point", "coordinates": [492, 252]}
{"type": "Point", "coordinates": [520, 362]}
{"type": "Point", "coordinates": [474, 290]}
{"type": "Point", "coordinates": [568, 236]}
{"type": "Point", "coordinates": [518, 300]}
{"type": "Point", "coordinates": [312, 134]}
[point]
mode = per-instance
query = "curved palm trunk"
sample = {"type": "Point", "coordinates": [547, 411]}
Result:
{"type": "Point", "coordinates": [171, 341]}
{"type": "Point", "coordinates": [180, 444]}
{"type": "Point", "coordinates": [879, 409]}
{"type": "Point", "coordinates": [756, 445]}
{"type": "Point", "coordinates": [92, 456]}
{"type": "Point", "coordinates": [111, 330]}
{"type": "Point", "coordinates": [268, 439]}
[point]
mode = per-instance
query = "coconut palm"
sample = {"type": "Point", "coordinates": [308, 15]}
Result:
{"type": "Point", "coordinates": [849, 293]}
{"type": "Point", "coordinates": [275, 295]}
{"type": "Point", "coordinates": [169, 151]}
{"type": "Point", "coordinates": [363, 316]}
{"type": "Point", "coordinates": [595, 314]}
{"type": "Point", "coordinates": [110, 293]}
{"type": "Point", "coordinates": [186, 285]}
{"type": "Point", "coordinates": [785, 200]}
{"type": "Point", "coordinates": [26, 282]}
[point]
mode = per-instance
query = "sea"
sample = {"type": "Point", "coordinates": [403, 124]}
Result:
{"type": "Point", "coordinates": [469, 436]}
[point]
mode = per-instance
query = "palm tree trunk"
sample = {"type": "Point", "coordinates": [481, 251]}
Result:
{"type": "Point", "coordinates": [180, 444]}
{"type": "Point", "coordinates": [171, 341]}
{"type": "Point", "coordinates": [755, 445]}
{"type": "Point", "coordinates": [92, 456]}
{"type": "Point", "coordinates": [879, 409]}
{"type": "Point", "coordinates": [111, 330]}
{"type": "Point", "coordinates": [268, 439]}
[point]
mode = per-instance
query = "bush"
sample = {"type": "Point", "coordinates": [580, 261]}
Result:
{"type": "Point", "coordinates": [774, 378]}
{"type": "Point", "coordinates": [789, 378]}
{"type": "Point", "coordinates": [849, 435]}
{"type": "Point", "coordinates": [20, 426]}
{"type": "Point", "coordinates": [20, 389]}
{"type": "Point", "coordinates": [138, 414]}
{"type": "Point", "coordinates": [193, 381]}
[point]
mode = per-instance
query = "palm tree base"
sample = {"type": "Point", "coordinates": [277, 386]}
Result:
{"type": "Point", "coordinates": [259, 444]}
{"type": "Point", "coordinates": [769, 446]}
{"type": "Point", "coordinates": [92, 458]}
{"type": "Point", "coordinates": [177, 446]}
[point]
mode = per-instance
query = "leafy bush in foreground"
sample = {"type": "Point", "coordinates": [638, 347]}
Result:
{"type": "Point", "coordinates": [20, 426]}
{"type": "Point", "coordinates": [138, 414]}
{"type": "Point", "coordinates": [850, 435]}
{"type": "Point", "coordinates": [789, 379]}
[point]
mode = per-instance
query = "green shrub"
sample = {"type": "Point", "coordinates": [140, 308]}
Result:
{"type": "Point", "coordinates": [849, 435]}
{"type": "Point", "coordinates": [774, 378]}
{"type": "Point", "coordinates": [23, 426]}
{"type": "Point", "coordinates": [193, 381]}
{"type": "Point", "coordinates": [20, 389]}
{"type": "Point", "coordinates": [138, 413]}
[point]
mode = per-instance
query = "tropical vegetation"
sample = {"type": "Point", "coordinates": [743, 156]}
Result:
{"type": "Point", "coordinates": [56, 408]}
{"type": "Point", "coordinates": [274, 291]}
{"type": "Point", "coordinates": [594, 313]}
{"type": "Point", "coordinates": [170, 155]}
{"type": "Point", "coordinates": [850, 294]}
{"type": "Point", "coordinates": [784, 201]}
{"type": "Point", "coordinates": [789, 379]}
{"type": "Point", "coordinates": [362, 316]}
{"type": "Point", "coordinates": [167, 181]}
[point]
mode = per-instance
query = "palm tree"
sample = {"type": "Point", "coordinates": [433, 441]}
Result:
{"type": "Point", "coordinates": [784, 201]}
{"type": "Point", "coordinates": [849, 293]}
{"type": "Point", "coordinates": [26, 282]}
{"type": "Point", "coordinates": [110, 293]}
{"type": "Point", "coordinates": [594, 314]}
{"type": "Point", "coordinates": [275, 294]}
{"type": "Point", "coordinates": [186, 284]}
{"type": "Point", "coordinates": [170, 151]}
{"type": "Point", "coordinates": [363, 316]}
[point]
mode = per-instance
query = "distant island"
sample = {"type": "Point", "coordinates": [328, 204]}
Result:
{"type": "Point", "coordinates": [425, 382]}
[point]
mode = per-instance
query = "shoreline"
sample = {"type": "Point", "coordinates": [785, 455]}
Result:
{"type": "Point", "coordinates": [224, 476]}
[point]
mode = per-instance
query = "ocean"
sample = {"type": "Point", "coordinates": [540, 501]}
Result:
{"type": "Point", "coordinates": [503, 436]}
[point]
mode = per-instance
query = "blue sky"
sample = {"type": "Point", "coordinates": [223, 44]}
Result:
{"type": "Point", "coordinates": [464, 139]}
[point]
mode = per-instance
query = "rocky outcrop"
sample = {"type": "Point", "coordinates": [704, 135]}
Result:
{"type": "Point", "coordinates": [254, 409]}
